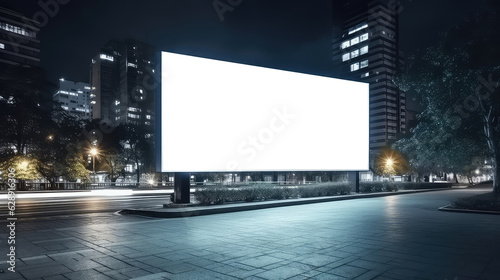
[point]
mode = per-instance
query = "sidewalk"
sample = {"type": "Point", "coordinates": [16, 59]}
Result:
{"type": "Point", "coordinates": [380, 238]}
{"type": "Point", "coordinates": [173, 211]}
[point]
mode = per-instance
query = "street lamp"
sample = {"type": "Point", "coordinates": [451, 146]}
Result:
{"type": "Point", "coordinates": [389, 166]}
{"type": "Point", "coordinates": [94, 152]}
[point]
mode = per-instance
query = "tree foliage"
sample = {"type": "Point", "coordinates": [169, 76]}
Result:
{"type": "Point", "coordinates": [456, 80]}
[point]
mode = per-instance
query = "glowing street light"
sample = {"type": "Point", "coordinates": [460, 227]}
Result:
{"type": "Point", "coordinates": [94, 152]}
{"type": "Point", "coordinates": [23, 164]}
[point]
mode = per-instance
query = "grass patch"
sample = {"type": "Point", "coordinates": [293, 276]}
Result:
{"type": "Point", "coordinates": [485, 202]}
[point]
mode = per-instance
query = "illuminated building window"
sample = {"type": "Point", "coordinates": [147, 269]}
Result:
{"type": "Point", "coordinates": [354, 41]}
{"type": "Point", "coordinates": [2, 46]}
{"type": "Point", "coordinates": [345, 44]}
{"type": "Point", "coordinates": [364, 64]}
{"type": "Point", "coordinates": [148, 117]}
{"type": "Point", "coordinates": [354, 53]}
{"type": "Point", "coordinates": [363, 50]}
{"type": "Point", "coordinates": [17, 30]}
{"type": "Point", "coordinates": [346, 56]}
{"type": "Point", "coordinates": [367, 74]}
{"type": "Point", "coordinates": [363, 37]}
{"type": "Point", "coordinates": [357, 28]}
{"type": "Point", "coordinates": [117, 102]}
{"type": "Point", "coordinates": [107, 57]}
{"type": "Point", "coordinates": [131, 65]}
{"type": "Point", "coordinates": [133, 116]}
{"type": "Point", "coordinates": [354, 67]}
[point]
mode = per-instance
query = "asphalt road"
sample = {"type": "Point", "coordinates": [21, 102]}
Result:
{"type": "Point", "coordinates": [35, 205]}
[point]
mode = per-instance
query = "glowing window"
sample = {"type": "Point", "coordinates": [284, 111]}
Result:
{"type": "Point", "coordinates": [364, 63]}
{"type": "Point", "coordinates": [131, 65]}
{"type": "Point", "coordinates": [363, 50]}
{"type": "Point", "coordinates": [107, 57]}
{"type": "Point", "coordinates": [354, 41]}
{"type": "Point", "coordinates": [363, 37]}
{"type": "Point", "coordinates": [367, 74]}
{"type": "Point", "coordinates": [354, 53]}
{"type": "Point", "coordinates": [357, 28]}
{"type": "Point", "coordinates": [346, 56]}
{"type": "Point", "coordinates": [2, 46]}
{"type": "Point", "coordinates": [354, 67]}
{"type": "Point", "coordinates": [345, 44]}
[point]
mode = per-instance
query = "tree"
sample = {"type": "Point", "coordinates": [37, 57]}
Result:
{"type": "Point", "coordinates": [390, 162]}
{"type": "Point", "coordinates": [113, 162]}
{"type": "Point", "coordinates": [433, 147]}
{"type": "Point", "coordinates": [25, 169]}
{"type": "Point", "coordinates": [137, 146]}
{"type": "Point", "coordinates": [23, 118]}
{"type": "Point", "coordinates": [455, 79]}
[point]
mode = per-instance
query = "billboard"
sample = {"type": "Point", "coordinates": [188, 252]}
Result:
{"type": "Point", "coordinates": [217, 116]}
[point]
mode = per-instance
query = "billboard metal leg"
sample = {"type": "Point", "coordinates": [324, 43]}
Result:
{"type": "Point", "coordinates": [181, 187]}
{"type": "Point", "coordinates": [353, 178]}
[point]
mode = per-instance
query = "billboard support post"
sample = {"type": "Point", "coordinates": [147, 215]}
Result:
{"type": "Point", "coordinates": [181, 187]}
{"type": "Point", "coordinates": [353, 178]}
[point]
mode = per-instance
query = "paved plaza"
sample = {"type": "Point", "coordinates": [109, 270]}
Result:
{"type": "Point", "coordinates": [394, 237]}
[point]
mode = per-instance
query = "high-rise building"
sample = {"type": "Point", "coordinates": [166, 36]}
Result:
{"type": "Point", "coordinates": [74, 98]}
{"type": "Point", "coordinates": [19, 39]}
{"type": "Point", "coordinates": [366, 49]}
{"type": "Point", "coordinates": [123, 83]}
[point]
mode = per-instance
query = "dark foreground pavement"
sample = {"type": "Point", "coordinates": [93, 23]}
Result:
{"type": "Point", "coordinates": [394, 237]}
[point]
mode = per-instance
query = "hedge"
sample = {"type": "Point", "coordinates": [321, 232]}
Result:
{"type": "Point", "coordinates": [221, 194]}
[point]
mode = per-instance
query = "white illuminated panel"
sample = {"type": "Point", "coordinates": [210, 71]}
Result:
{"type": "Point", "coordinates": [222, 116]}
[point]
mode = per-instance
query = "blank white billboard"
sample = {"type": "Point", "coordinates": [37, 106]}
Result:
{"type": "Point", "coordinates": [220, 116]}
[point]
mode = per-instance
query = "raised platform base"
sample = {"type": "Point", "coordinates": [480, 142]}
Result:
{"type": "Point", "coordinates": [177, 205]}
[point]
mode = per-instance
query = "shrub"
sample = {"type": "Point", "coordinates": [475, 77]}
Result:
{"type": "Point", "coordinates": [324, 189]}
{"type": "Point", "coordinates": [249, 194]}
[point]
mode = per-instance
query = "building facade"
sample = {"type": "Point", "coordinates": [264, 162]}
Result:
{"type": "Point", "coordinates": [19, 39]}
{"type": "Point", "coordinates": [74, 98]}
{"type": "Point", "coordinates": [123, 79]}
{"type": "Point", "coordinates": [366, 49]}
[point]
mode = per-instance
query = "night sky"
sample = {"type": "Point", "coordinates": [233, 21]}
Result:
{"type": "Point", "coordinates": [284, 34]}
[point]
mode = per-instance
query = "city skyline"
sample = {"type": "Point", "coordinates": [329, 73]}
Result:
{"type": "Point", "coordinates": [289, 36]}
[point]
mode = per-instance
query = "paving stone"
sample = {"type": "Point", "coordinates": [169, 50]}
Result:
{"type": "Point", "coordinates": [348, 271]}
{"type": "Point", "coordinates": [43, 270]}
{"type": "Point", "coordinates": [260, 261]}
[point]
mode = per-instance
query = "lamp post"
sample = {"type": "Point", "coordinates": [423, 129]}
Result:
{"type": "Point", "coordinates": [93, 152]}
{"type": "Point", "coordinates": [389, 166]}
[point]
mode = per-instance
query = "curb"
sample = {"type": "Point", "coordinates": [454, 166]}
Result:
{"type": "Point", "coordinates": [229, 208]}
{"type": "Point", "coordinates": [447, 208]}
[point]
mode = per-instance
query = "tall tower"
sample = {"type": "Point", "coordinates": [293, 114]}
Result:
{"type": "Point", "coordinates": [365, 48]}
{"type": "Point", "coordinates": [122, 79]}
{"type": "Point", "coordinates": [19, 39]}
